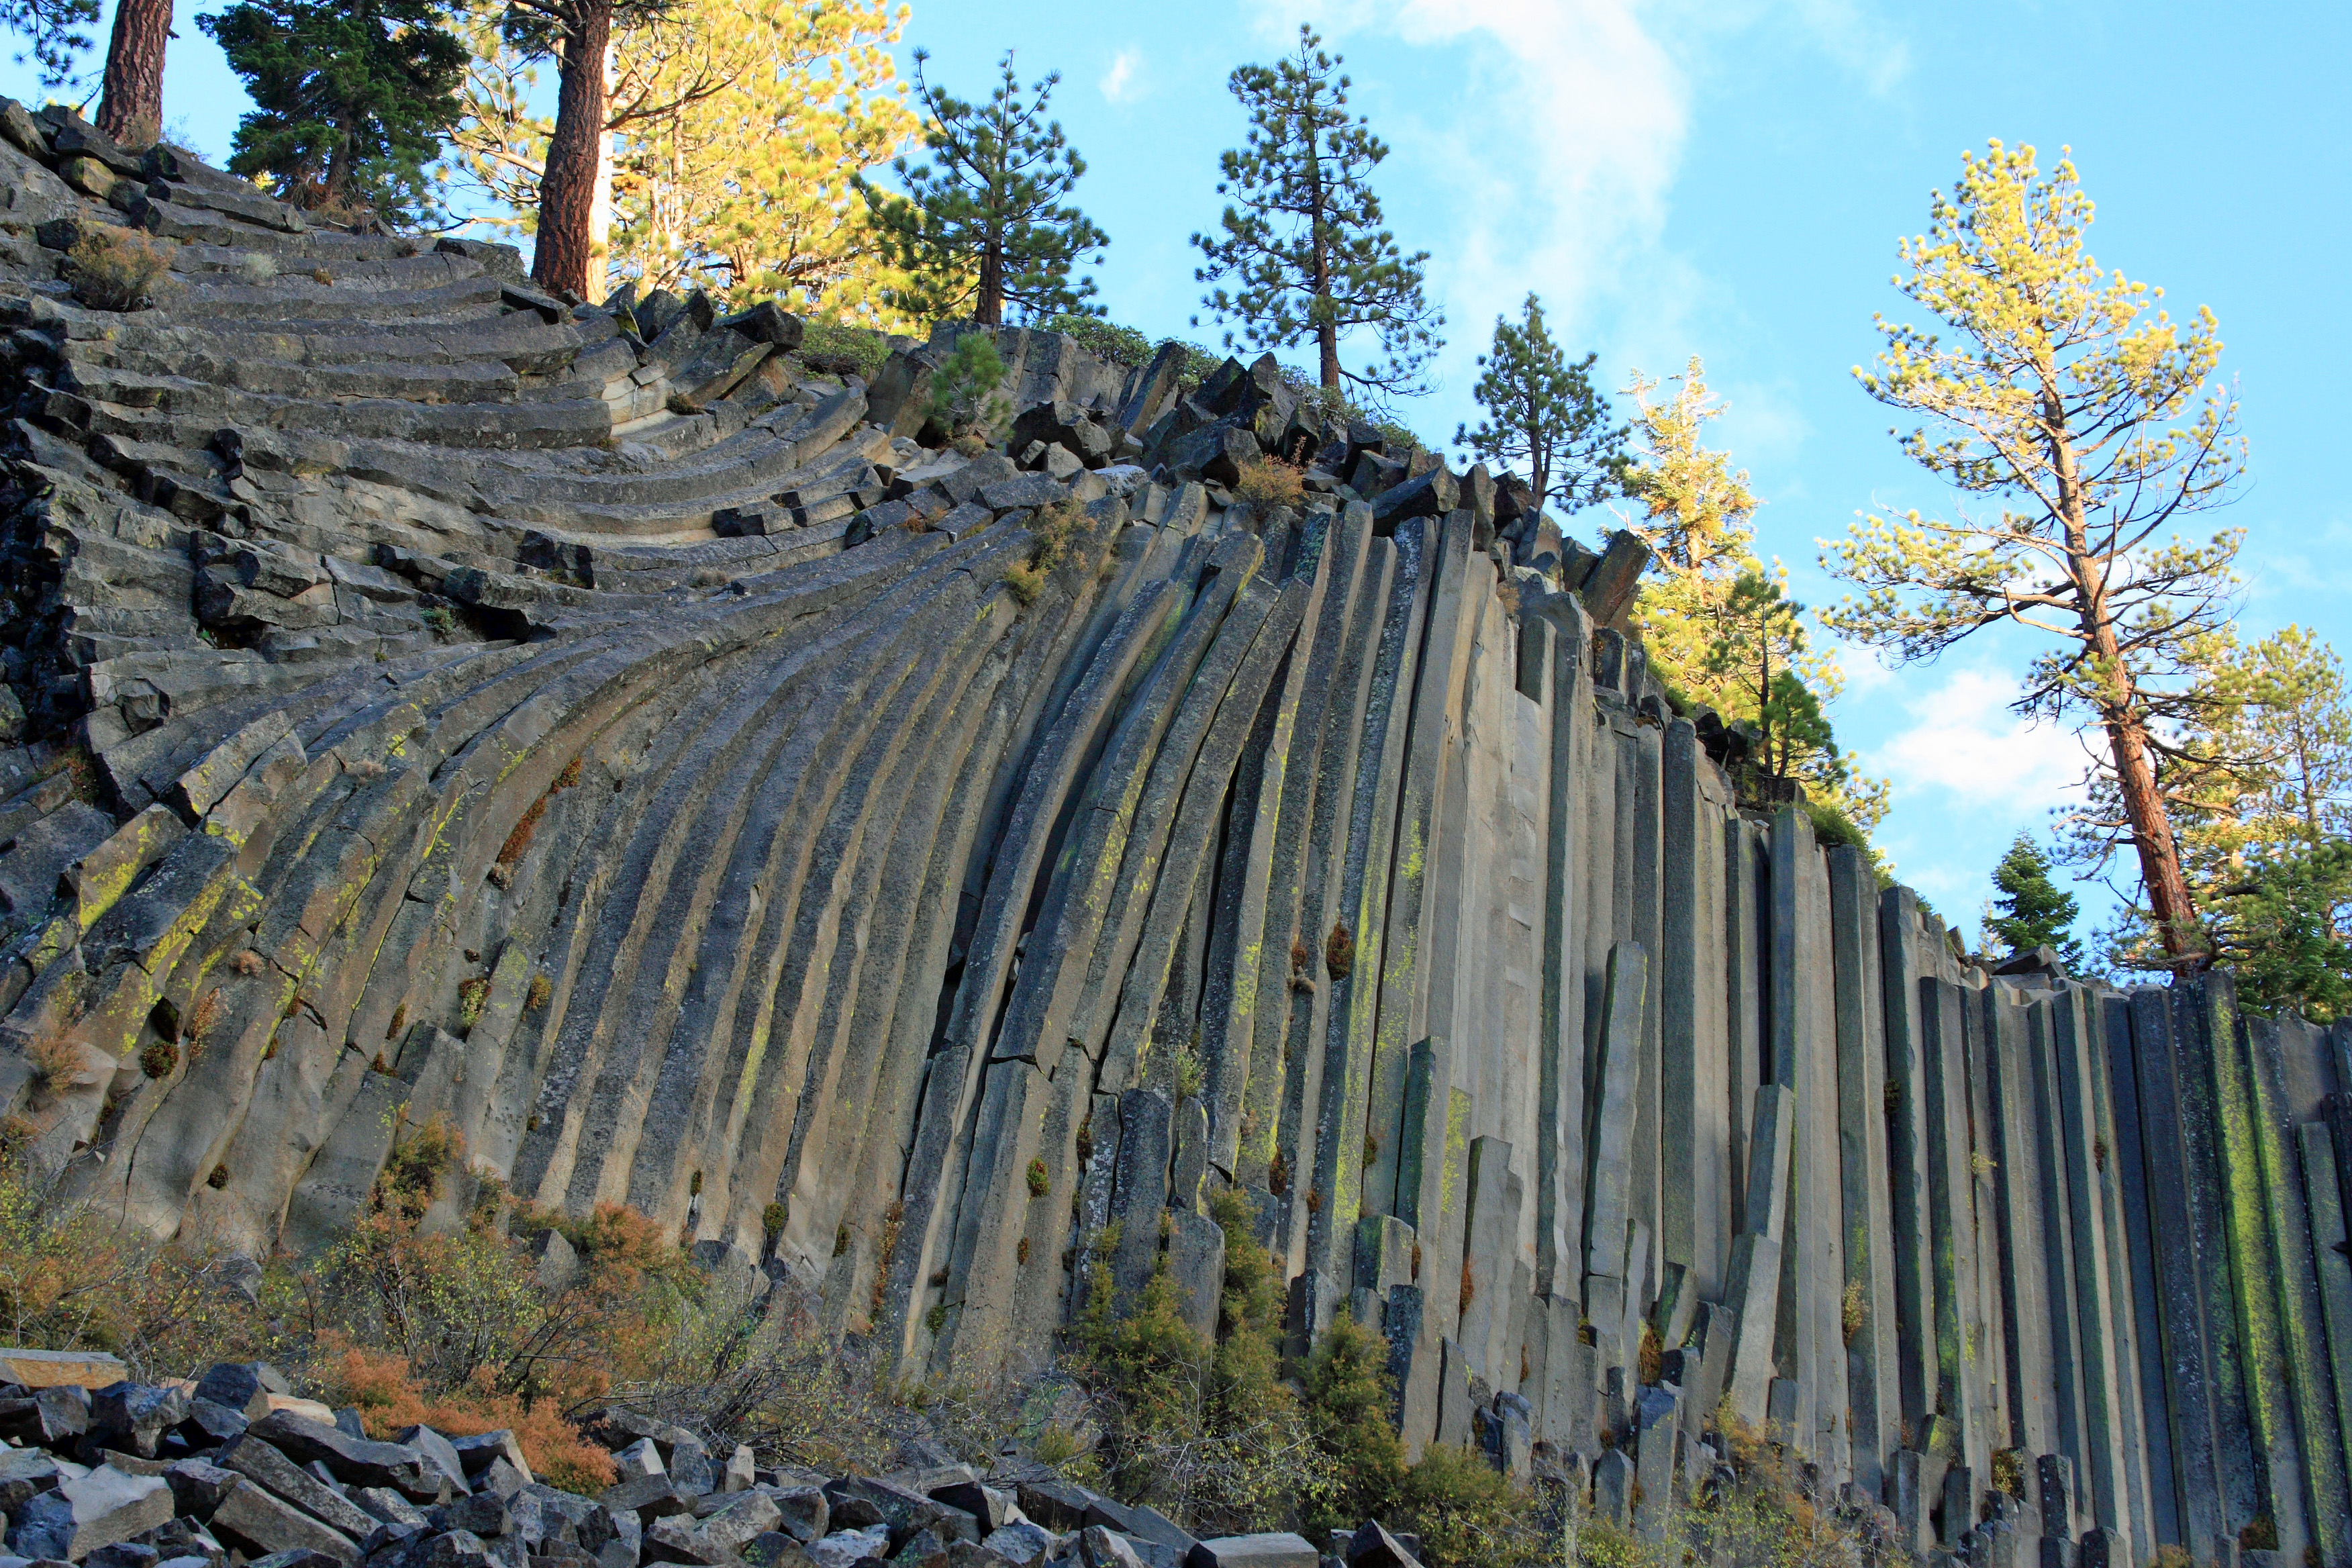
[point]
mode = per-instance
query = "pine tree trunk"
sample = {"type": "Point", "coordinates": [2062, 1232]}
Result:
{"type": "Point", "coordinates": [2151, 830]}
{"type": "Point", "coordinates": [2121, 712]}
{"type": "Point", "coordinates": [132, 109]}
{"type": "Point", "coordinates": [990, 309]}
{"type": "Point", "coordinates": [563, 255]}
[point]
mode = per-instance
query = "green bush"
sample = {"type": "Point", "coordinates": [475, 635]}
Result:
{"type": "Point", "coordinates": [1125, 345]}
{"type": "Point", "coordinates": [862, 348]}
{"type": "Point", "coordinates": [967, 395]}
{"type": "Point", "coordinates": [1466, 1512]}
{"type": "Point", "coordinates": [1208, 1433]}
{"type": "Point", "coordinates": [1350, 1400]}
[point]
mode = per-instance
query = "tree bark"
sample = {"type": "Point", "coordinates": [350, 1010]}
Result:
{"type": "Point", "coordinates": [2151, 830]}
{"type": "Point", "coordinates": [565, 254]}
{"type": "Point", "coordinates": [989, 310]}
{"type": "Point", "coordinates": [132, 109]}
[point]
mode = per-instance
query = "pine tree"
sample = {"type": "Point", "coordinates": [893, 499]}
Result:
{"type": "Point", "coordinates": [350, 99]}
{"type": "Point", "coordinates": [1698, 509]}
{"type": "Point", "coordinates": [986, 222]}
{"type": "Point", "coordinates": [1302, 239]}
{"type": "Point", "coordinates": [739, 125]}
{"type": "Point", "coordinates": [1755, 664]}
{"type": "Point", "coordinates": [2063, 389]}
{"type": "Point", "coordinates": [2033, 910]}
{"type": "Point", "coordinates": [577, 34]}
{"type": "Point", "coordinates": [52, 31]}
{"type": "Point", "coordinates": [1543, 413]}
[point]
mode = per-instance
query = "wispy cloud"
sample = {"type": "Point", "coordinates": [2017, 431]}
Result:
{"type": "Point", "coordinates": [1965, 752]}
{"type": "Point", "coordinates": [1123, 82]}
{"type": "Point", "coordinates": [1551, 149]}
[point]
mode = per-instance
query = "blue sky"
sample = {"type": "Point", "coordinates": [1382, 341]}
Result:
{"type": "Point", "coordinates": [1729, 180]}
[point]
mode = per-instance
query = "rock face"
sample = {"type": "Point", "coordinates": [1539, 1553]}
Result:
{"type": "Point", "coordinates": [613, 733]}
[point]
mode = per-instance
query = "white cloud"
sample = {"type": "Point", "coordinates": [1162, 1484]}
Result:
{"type": "Point", "coordinates": [1122, 83]}
{"type": "Point", "coordinates": [1965, 752]}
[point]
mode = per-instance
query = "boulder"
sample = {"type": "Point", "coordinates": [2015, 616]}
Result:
{"type": "Point", "coordinates": [477, 1454]}
{"type": "Point", "coordinates": [198, 1485]}
{"type": "Point", "coordinates": [733, 1526]}
{"type": "Point", "coordinates": [134, 1416]}
{"type": "Point", "coordinates": [647, 1498]}
{"type": "Point", "coordinates": [1099, 1547]}
{"type": "Point", "coordinates": [775, 1549]}
{"type": "Point", "coordinates": [209, 1423]}
{"type": "Point", "coordinates": [501, 1480]}
{"type": "Point", "coordinates": [257, 1462]}
{"type": "Point", "coordinates": [1374, 1547]}
{"type": "Point", "coordinates": [24, 1474]}
{"type": "Point", "coordinates": [53, 1417]}
{"type": "Point", "coordinates": [768, 322]}
{"type": "Point", "coordinates": [803, 1513]}
{"type": "Point", "coordinates": [437, 1452]}
{"type": "Point", "coordinates": [1433, 494]}
{"type": "Point", "coordinates": [639, 1458]}
{"type": "Point", "coordinates": [86, 1512]}
{"type": "Point", "coordinates": [354, 1461]}
{"type": "Point", "coordinates": [924, 1549]}
{"type": "Point", "coordinates": [60, 1368]}
{"type": "Point", "coordinates": [1057, 1504]}
{"type": "Point", "coordinates": [257, 1522]}
{"type": "Point", "coordinates": [1277, 1549]}
{"type": "Point", "coordinates": [387, 1506]}
{"type": "Point", "coordinates": [1214, 454]}
{"type": "Point", "coordinates": [1065, 426]}
{"type": "Point", "coordinates": [1024, 1542]}
{"type": "Point", "coordinates": [990, 1507]}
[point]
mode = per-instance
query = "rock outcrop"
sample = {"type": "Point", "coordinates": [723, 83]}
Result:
{"type": "Point", "coordinates": [645, 748]}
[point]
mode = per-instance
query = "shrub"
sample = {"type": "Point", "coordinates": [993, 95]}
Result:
{"type": "Point", "coordinates": [967, 396]}
{"type": "Point", "coordinates": [1024, 583]}
{"type": "Point", "coordinates": [1350, 1401]}
{"type": "Point", "coordinates": [1466, 1512]}
{"type": "Point", "coordinates": [473, 995]}
{"type": "Point", "coordinates": [382, 1387]}
{"type": "Point", "coordinates": [834, 345]}
{"type": "Point", "coordinates": [1340, 952]}
{"type": "Point", "coordinates": [1268, 482]}
{"type": "Point", "coordinates": [117, 269]}
{"type": "Point", "coordinates": [1209, 1434]}
{"type": "Point", "coordinates": [1128, 347]}
{"type": "Point", "coordinates": [1040, 1180]}
{"type": "Point", "coordinates": [1057, 531]}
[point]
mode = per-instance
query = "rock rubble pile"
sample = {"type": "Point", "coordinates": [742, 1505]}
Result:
{"type": "Point", "coordinates": [232, 1468]}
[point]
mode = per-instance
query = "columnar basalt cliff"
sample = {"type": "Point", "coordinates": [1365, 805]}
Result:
{"type": "Point", "coordinates": [647, 748]}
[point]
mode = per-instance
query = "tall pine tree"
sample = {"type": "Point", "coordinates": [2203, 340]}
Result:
{"type": "Point", "coordinates": [577, 35]}
{"type": "Point", "coordinates": [1544, 414]}
{"type": "Point", "coordinates": [1302, 239]}
{"type": "Point", "coordinates": [350, 101]}
{"type": "Point", "coordinates": [2033, 910]}
{"type": "Point", "coordinates": [986, 222]}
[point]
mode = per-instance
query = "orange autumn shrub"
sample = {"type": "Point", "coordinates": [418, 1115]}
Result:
{"type": "Point", "coordinates": [379, 1384]}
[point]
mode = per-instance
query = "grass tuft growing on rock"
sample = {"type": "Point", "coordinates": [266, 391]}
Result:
{"type": "Point", "coordinates": [117, 269]}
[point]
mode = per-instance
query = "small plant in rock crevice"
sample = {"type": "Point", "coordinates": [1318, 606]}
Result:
{"type": "Point", "coordinates": [117, 269]}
